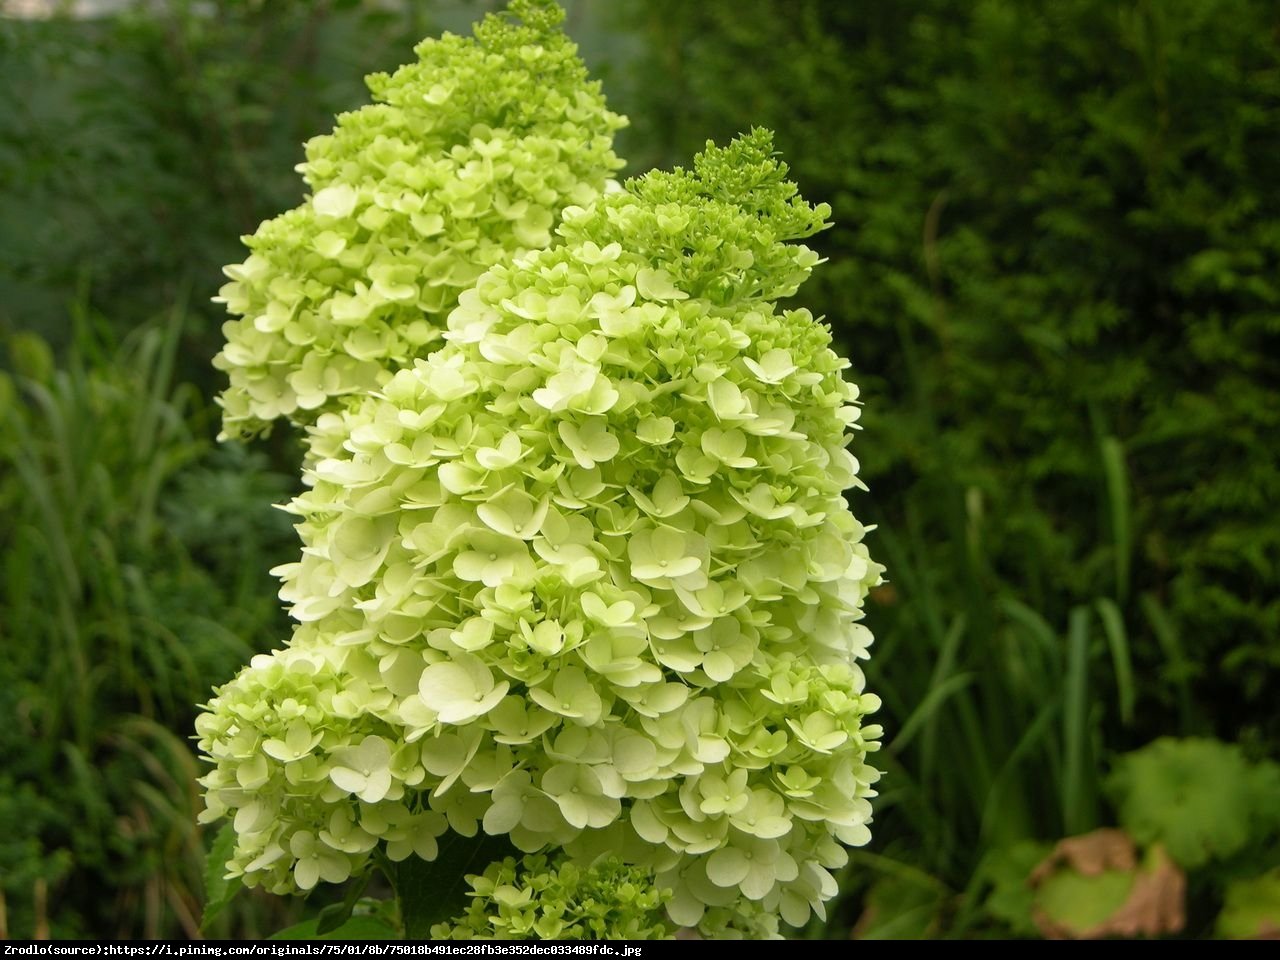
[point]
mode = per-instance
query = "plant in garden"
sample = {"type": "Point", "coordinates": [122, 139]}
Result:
{"type": "Point", "coordinates": [583, 578]}
{"type": "Point", "coordinates": [1200, 799]}
{"type": "Point", "coordinates": [1192, 813]}
{"type": "Point", "coordinates": [108, 569]}
{"type": "Point", "coordinates": [466, 159]}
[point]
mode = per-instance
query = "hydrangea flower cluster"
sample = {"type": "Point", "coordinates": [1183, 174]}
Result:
{"type": "Point", "coordinates": [585, 576]}
{"type": "Point", "coordinates": [609, 900]}
{"type": "Point", "coordinates": [466, 158]}
{"type": "Point", "coordinates": [533, 900]}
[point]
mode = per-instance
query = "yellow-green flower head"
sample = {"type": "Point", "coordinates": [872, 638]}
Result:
{"type": "Point", "coordinates": [585, 576]}
{"type": "Point", "coordinates": [535, 899]}
{"type": "Point", "coordinates": [466, 158]}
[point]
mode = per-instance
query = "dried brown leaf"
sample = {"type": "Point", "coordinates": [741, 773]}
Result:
{"type": "Point", "coordinates": [1089, 854]}
{"type": "Point", "coordinates": [1156, 902]}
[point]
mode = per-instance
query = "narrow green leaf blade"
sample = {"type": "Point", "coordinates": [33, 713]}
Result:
{"type": "Point", "coordinates": [1117, 479]}
{"type": "Point", "coordinates": [1076, 815]}
{"type": "Point", "coordinates": [1121, 662]}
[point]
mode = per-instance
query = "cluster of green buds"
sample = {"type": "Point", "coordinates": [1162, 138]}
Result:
{"type": "Point", "coordinates": [540, 898]}
{"type": "Point", "coordinates": [607, 900]}
{"type": "Point", "coordinates": [465, 159]}
{"type": "Point", "coordinates": [583, 577]}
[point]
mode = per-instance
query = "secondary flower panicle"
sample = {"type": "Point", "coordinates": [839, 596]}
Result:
{"type": "Point", "coordinates": [466, 158]}
{"type": "Point", "coordinates": [560, 901]}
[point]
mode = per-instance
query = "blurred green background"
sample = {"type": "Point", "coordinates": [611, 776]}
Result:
{"type": "Point", "coordinates": [1055, 267]}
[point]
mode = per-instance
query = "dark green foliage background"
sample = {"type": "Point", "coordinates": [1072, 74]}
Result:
{"type": "Point", "coordinates": [134, 151]}
{"type": "Point", "coordinates": [1055, 224]}
{"type": "Point", "coordinates": [1055, 269]}
{"type": "Point", "coordinates": [1055, 266]}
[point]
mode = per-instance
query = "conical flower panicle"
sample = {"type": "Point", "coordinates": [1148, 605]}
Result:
{"type": "Point", "coordinates": [466, 158]}
{"type": "Point", "coordinates": [584, 576]}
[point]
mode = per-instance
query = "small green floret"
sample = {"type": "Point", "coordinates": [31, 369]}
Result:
{"type": "Point", "coordinates": [535, 900]}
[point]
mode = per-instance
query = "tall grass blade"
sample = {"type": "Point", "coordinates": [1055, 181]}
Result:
{"type": "Point", "coordinates": [934, 700]}
{"type": "Point", "coordinates": [1180, 669]}
{"type": "Point", "coordinates": [1121, 662]}
{"type": "Point", "coordinates": [1116, 475]}
{"type": "Point", "coordinates": [943, 673]}
{"type": "Point", "coordinates": [1035, 734]}
{"type": "Point", "coordinates": [1036, 625]}
{"type": "Point", "coordinates": [1076, 816]}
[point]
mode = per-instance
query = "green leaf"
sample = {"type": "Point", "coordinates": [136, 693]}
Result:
{"type": "Point", "coordinates": [219, 890]}
{"type": "Point", "coordinates": [928, 707]}
{"type": "Point", "coordinates": [1011, 898]}
{"type": "Point", "coordinates": [1251, 908]}
{"type": "Point", "coordinates": [1192, 795]}
{"type": "Point", "coordinates": [1077, 806]}
{"type": "Point", "coordinates": [1122, 663]}
{"type": "Point", "coordinates": [355, 928]}
{"type": "Point", "coordinates": [1081, 902]}
{"type": "Point", "coordinates": [434, 891]}
{"type": "Point", "coordinates": [1117, 479]}
{"type": "Point", "coordinates": [335, 915]}
{"type": "Point", "coordinates": [901, 907]}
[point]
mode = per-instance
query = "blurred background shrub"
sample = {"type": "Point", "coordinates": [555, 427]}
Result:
{"type": "Point", "coordinates": [1054, 267]}
{"type": "Point", "coordinates": [134, 570]}
{"type": "Point", "coordinates": [137, 147]}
